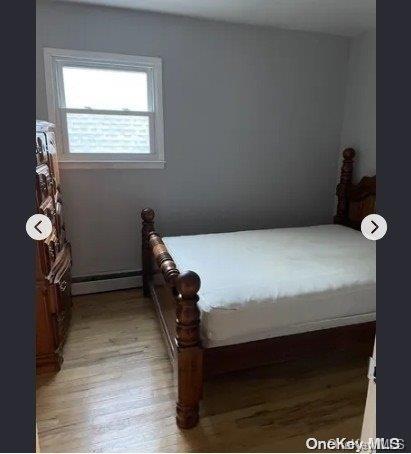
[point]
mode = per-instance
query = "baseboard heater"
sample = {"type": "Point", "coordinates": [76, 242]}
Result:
{"type": "Point", "coordinates": [83, 285]}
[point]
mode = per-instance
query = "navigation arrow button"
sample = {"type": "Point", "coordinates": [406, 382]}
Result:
{"type": "Point", "coordinates": [374, 227]}
{"type": "Point", "coordinates": [33, 227]}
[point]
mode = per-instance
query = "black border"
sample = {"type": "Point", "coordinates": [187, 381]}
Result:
{"type": "Point", "coordinates": [393, 264]}
{"type": "Point", "coordinates": [17, 313]}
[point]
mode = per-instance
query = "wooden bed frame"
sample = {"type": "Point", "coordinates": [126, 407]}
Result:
{"type": "Point", "coordinates": [175, 297]}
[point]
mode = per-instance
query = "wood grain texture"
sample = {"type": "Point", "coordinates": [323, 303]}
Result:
{"type": "Point", "coordinates": [343, 186]}
{"type": "Point", "coordinates": [147, 216]}
{"type": "Point", "coordinates": [189, 353]}
{"type": "Point", "coordinates": [115, 392]}
{"type": "Point", "coordinates": [357, 340]}
{"type": "Point", "coordinates": [362, 201]}
{"type": "Point", "coordinates": [354, 201]}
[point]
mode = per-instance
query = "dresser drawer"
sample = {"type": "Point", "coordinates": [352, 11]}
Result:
{"type": "Point", "coordinates": [60, 265]}
{"type": "Point", "coordinates": [59, 280]}
{"type": "Point", "coordinates": [46, 341]}
{"type": "Point", "coordinates": [52, 247]}
{"type": "Point", "coordinates": [47, 207]}
{"type": "Point", "coordinates": [64, 302]}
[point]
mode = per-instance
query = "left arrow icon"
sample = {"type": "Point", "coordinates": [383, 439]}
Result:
{"type": "Point", "coordinates": [37, 227]}
{"type": "Point", "coordinates": [33, 227]}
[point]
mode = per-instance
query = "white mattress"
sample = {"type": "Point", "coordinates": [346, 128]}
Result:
{"type": "Point", "coordinates": [266, 283]}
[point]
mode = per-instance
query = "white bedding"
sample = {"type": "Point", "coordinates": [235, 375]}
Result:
{"type": "Point", "coordinates": [266, 283]}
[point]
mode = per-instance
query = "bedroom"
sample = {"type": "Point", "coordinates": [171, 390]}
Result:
{"type": "Point", "coordinates": [243, 111]}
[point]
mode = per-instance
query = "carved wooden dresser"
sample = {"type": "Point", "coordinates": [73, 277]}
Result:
{"type": "Point", "coordinates": [53, 257]}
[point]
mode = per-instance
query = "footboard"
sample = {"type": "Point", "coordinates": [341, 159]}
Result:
{"type": "Point", "coordinates": [181, 290]}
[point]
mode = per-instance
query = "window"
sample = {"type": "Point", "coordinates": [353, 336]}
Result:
{"type": "Point", "coordinates": [107, 108]}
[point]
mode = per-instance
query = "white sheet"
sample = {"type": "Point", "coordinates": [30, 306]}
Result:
{"type": "Point", "coordinates": [266, 283]}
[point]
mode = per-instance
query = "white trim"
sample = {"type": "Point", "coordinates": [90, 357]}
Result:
{"type": "Point", "coordinates": [70, 165]}
{"type": "Point", "coordinates": [54, 59]}
{"type": "Point", "coordinates": [130, 113]}
{"type": "Point", "coordinates": [86, 56]}
{"type": "Point", "coordinates": [106, 285]}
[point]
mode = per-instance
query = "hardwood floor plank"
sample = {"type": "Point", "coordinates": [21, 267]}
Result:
{"type": "Point", "coordinates": [115, 392]}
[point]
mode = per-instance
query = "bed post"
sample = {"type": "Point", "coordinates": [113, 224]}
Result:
{"type": "Point", "coordinates": [185, 287]}
{"type": "Point", "coordinates": [343, 186]}
{"type": "Point", "coordinates": [147, 215]}
{"type": "Point", "coordinates": [189, 352]}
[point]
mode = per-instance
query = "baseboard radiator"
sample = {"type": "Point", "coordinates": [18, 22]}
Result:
{"type": "Point", "coordinates": [107, 282]}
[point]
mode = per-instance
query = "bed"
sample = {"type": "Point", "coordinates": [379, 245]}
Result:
{"type": "Point", "coordinates": [263, 296]}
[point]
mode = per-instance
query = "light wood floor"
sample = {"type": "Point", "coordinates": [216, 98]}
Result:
{"type": "Point", "coordinates": [115, 393]}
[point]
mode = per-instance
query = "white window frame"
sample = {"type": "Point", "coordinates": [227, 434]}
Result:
{"type": "Point", "coordinates": [55, 59]}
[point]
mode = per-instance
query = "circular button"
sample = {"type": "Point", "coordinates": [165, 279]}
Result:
{"type": "Point", "coordinates": [38, 227]}
{"type": "Point", "coordinates": [374, 227]}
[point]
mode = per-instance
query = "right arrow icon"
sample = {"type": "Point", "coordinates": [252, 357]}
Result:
{"type": "Point", "coordinates": [373, 227]}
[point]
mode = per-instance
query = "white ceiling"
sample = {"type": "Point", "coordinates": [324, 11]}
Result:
{"type": "Point", "coordinates": [339, 17]}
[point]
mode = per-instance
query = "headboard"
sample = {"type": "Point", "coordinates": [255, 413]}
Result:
{"type": "Point", "coordinates": [355, 201]}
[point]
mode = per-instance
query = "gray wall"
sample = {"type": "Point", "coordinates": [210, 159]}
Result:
{"type": "Point", "coordinates": [359, 125]}
{"type": "Point", "coordinates": [252, 129]}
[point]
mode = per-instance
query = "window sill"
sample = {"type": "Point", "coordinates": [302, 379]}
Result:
{"type": "Point", "coordinates": [111, 164]}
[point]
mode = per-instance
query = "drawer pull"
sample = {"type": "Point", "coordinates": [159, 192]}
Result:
{"type": "Point", "coordinates": [63, 286]}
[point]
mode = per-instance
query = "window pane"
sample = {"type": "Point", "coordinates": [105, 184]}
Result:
{"type": "Point", "coordinates": [91, 133]}
{"type": "Point", "coordinates": [105, 89]}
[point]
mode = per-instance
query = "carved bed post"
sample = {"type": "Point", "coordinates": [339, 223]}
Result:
{"type": "Point", "coordinates": [343, 186]}
{"type": "Point", "coordinates": [185, 289]}
{"type": "Point", "coordinates": [163, 259]}
{"type": "Point", "coordinates": [147, 215]}
{"type": "Point", "coordinates": [189, 352]}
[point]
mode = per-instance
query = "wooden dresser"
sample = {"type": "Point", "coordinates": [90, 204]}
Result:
{"type": "Point", "coordinates": [53, 258]}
